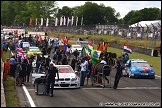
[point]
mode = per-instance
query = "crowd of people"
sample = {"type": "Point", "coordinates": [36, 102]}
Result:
{"type": "Point", "coordinates": [22, 68]}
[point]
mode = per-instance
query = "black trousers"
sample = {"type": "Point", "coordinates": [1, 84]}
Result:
{"type": "Point", "coordinates": [27, 76]}
{"type": "Point", "coordinates": [117, 78]}
{"type": "Point", "coordinates": [50, 83]}
{"type": "Point", "coordinates": [12, 71]}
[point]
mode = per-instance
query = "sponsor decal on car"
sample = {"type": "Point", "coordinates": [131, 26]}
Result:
{"type": "Point", "coordinates": [145, 68]}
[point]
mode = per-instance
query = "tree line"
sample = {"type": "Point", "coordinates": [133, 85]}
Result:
{"type": "Point", "coordinates": [19, 12]}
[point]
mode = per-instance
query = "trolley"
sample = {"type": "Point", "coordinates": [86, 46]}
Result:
{"type": "Point", "coordinates": [40, 86]}
{"type": "Point", "coordinates": [101, 74]}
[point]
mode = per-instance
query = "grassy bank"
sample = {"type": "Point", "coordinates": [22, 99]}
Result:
{"type": "Point", "coordinates": [108, 38]}
{"type": "Point", "coordinates": [9, 86]}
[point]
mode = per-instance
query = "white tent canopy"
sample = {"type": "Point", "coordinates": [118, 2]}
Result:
{"type": "Point", "coordinates": [148, 23]}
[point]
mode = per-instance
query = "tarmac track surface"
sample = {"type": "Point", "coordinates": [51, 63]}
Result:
{"type": "Point", "coordinates": [129, 90]}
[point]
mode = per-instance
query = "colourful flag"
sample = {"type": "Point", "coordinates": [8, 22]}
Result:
{"type": "Point", "coordinates": [90, 46]}
{"type": "Point", "coordinates": [82, 20]}
{"type": "Point", "coordinates": [40, 38]}
{"type": "Point", "coordinates": [72, 19]}
{"type": "Point", "coordinates": [127, 48]}
{"type": "Point", "coordinates": [41, 21]}
{"type": "Point", "coordinates": [76, 21]}
{"type": "Point", "coordinates": [19, 55]}
{"type": "Point", "coordinates": [62, 40]}
{"type": "Point", "coordinates": [19, 50]}
{"type": "Point", "coordinates": [23, 56]}
{"type": "Point", "coordinates": [66, 47]}
{"type": "Point", "coordinates": [60, 21]}
{"type": "Point", "coordinates": [64, 20]}
{"type": "Point", "coordinates": [56, 21]}
{"type": "Point", "coordinates": [66, 40]}
{"type": "Point", "coordinates": [36, 21]}
{"type": "Point", "coordinates": [68, 21]}
{"type": "Point", "coordinates": [95, 54]}
{"type": "Point", "coordinates": [86, 52]}
{"type": "Point", "coordinates": [30, 21]}
{"type": "Point", "coordinates": [47, 21]}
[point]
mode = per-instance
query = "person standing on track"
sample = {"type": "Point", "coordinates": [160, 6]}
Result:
{"type": "Point", "coordinates": [29, 70]}
{"type": "Point", "coordinates": [89, 71]}
{"type": "Point", "coordinates": [19, 74]}
{"type": "Point", "coordinates": [24, 69]}
{"type": "Point", "coordinates": [73, 62]}
{"type": "Point", "coordinates": [6, 68]}
{"type": "Point", "coordinates": [12, 66]}
{"type": "Point", "coordinates": [118, 75]}
{"type": "Point", "coordinates": [51, 74]}
{"type": "Point", "coordinates": [83, 71]}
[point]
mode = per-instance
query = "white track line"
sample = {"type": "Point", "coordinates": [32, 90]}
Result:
{"type": "Point", "coordinates": [29, 97]}
{"type": "Point", "coordinates": [158, 76]}
{"type": "Point", "coordinates": [11, 51]}
{"type": "Point", "coordinates": [126, 88]}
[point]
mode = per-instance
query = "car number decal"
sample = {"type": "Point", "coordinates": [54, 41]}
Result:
{"type": "Point", "coordinates": [145, 68]}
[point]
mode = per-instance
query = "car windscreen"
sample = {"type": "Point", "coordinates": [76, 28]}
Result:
{"type": "Point", "coordinates": [65, 70]}
{"type": "Point", "coordinates": [140, 64]}
{"type": "Point", "coordinates": [34, 50]}
{"type": "Point", "coordinates": [77, 47]}
{"type": "Point", "coordinates": [26, 45]}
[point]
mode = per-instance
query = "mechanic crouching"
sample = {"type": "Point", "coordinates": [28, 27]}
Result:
{"type": "Point", "coordinates": [51, 74]}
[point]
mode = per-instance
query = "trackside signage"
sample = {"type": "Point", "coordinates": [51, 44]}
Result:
{"type": "Point", "coordinates": [19, 31]}
{"type": "Point", "coordinates": [37, 33]}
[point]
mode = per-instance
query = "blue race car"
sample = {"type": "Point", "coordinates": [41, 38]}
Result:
{"type": "Point", "coordinates": [139, 68]}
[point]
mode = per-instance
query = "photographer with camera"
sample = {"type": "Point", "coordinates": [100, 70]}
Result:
{"type": "Point", "coordinates": [84, 68]}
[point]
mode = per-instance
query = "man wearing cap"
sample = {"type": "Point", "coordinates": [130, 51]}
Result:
{"type": "Point", "coordinates": [51, 74]}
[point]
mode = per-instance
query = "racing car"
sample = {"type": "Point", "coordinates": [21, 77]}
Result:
{"type": "Point", "coordinates": [67, 77]}
{"type": "Point", "coordinates": [33, 51]}
{"type": "Point", "coordinates": [139, 68]}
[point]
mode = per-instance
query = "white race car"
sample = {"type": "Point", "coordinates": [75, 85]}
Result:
{"type": "Point", "coordinates": [67, 77]}
{"type": "Point", "coordinates": [74, 47]}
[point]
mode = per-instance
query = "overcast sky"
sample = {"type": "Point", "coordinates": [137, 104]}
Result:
{"type": "Point", "coordinates": [120, 6]}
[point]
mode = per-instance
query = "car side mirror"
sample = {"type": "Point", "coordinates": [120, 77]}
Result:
{"type": "Point", "coordinates": [151, 65]}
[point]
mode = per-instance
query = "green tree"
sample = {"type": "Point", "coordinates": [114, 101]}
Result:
{"type": "Point", "coordinates": [128, 16]}
{"type": "Point", "coordinates": [7, 13]}
{"type": "Point", "coordinates": [145, 14]}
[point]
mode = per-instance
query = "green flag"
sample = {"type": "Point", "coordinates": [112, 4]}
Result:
{"type": "Point", "coordinates": [95, 56]}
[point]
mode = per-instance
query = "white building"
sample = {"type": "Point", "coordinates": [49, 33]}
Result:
{"type": "Point", "coordinates": [148, 23]}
